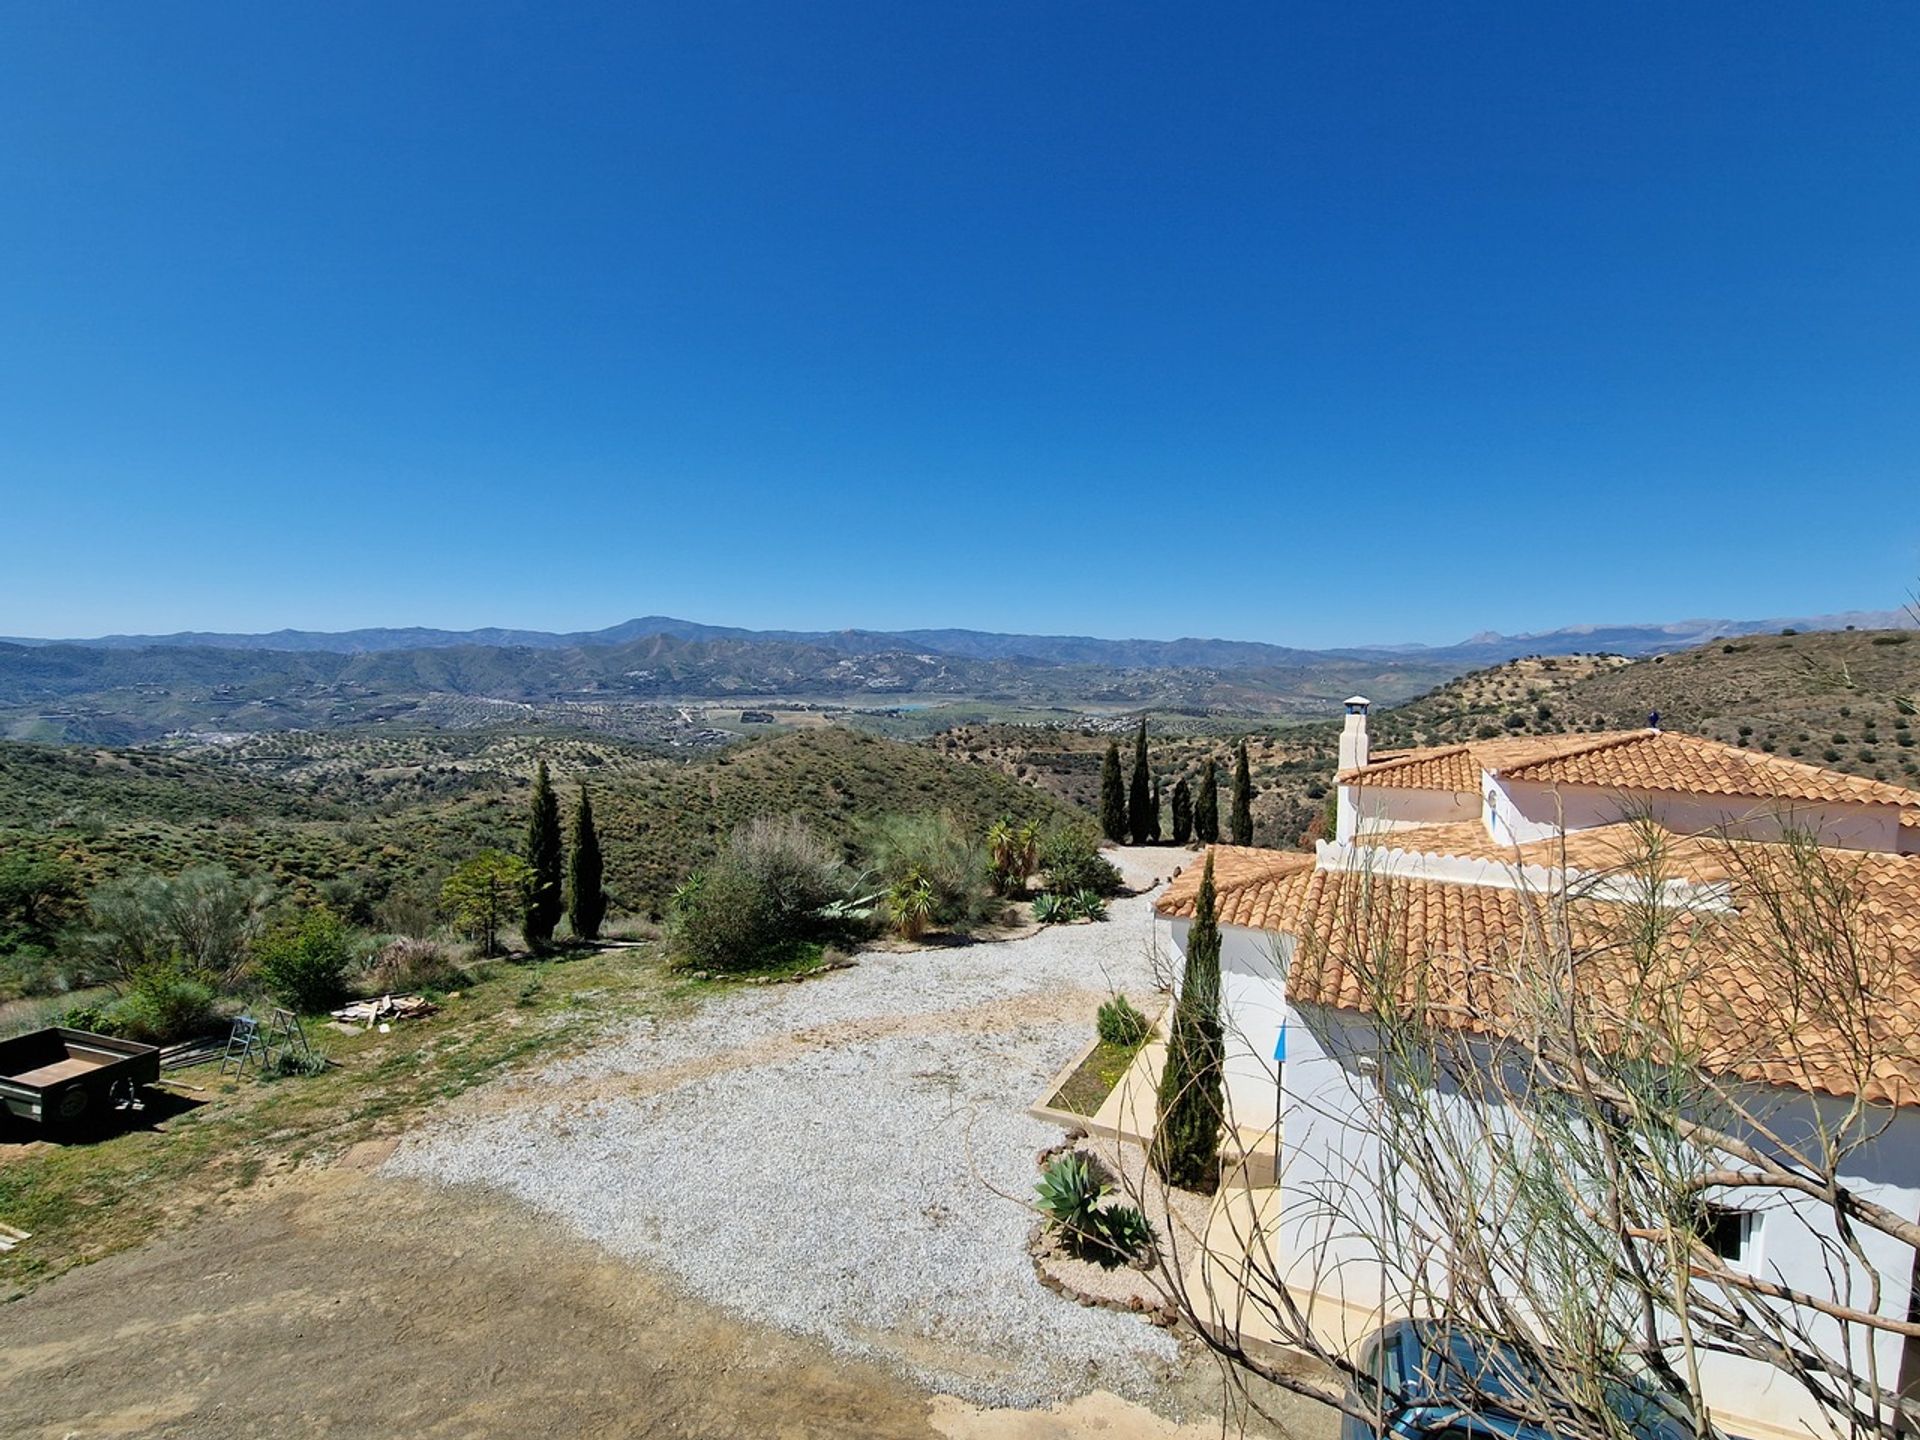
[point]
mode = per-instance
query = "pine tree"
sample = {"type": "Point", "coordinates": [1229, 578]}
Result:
{"type": "Point", "coordinates": [1241, 819]}
{"type": "Point", "coordinates": [586, 895]}
{"type": "Point", "coordinates": [1182, 811]}
{"type": "Point", "coordinates": [544, 898]}
{"type": "Point", "coordinates": [1113, 797]}
{"type": "Point", "coordinates": [1153, 815]}
{"type": "Point", "coordinates": [1139, 794]}
{"type": "Point", "coordinates": [1192, 1103]}
{"type": "Point", "coordinates": [1206, 810]}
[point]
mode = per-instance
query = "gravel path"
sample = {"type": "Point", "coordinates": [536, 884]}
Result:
{"type": "Point", "coordinates": [846, 1158]}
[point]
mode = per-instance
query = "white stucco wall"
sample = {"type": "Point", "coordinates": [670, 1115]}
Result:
{"type": "Point", "coordinates": [1520, 811]}
{"type": "Point", "coordinates": [1337, 1197]}
{"type": "Point", "coordinates": [1376, 809]}
{"type": "Point", "coordinates": [1253, 1002]}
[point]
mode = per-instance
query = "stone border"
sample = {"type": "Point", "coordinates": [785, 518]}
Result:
{"type": "Point", "coordinates": [1164, 1315]}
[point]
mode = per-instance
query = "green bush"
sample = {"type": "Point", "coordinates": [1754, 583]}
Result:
{"type": "Point", "coordinates": [1071, 859]}
{"type": "Point", "coordinates": [291, 1064]}
{"type": "Point", "coordinates": [163, 1004]}
{"type": "Point", "coordinates": [775, 888]}
{"type": "Point", "coordinates": [940, 853]}
{"type": "Point", "coordinates": [1119, 1023]}
{"type": "Point", "coordinates": [95, 1019]}
{"type": "Point", "coordinates": [1051, 909]}
{"type": "Point", "coordinates": [304, 963]}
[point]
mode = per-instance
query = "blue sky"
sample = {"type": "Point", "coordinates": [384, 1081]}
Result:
{"type": "Point", "coordinates": [1311, 324]}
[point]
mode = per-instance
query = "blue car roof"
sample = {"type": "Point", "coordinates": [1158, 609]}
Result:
{"type": "Point", "coordinates": [1455, 1370]}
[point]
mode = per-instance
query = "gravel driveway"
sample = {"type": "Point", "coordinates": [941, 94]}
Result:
{"type": "Point", "coordinates": [845, 1158]}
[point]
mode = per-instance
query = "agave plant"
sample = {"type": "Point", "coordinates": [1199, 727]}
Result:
{"type": "Point", "coordinates": [1051, 909]}
{"type": "Point", "coordinates": [1120, 1234]}
{"type": "Point", "coordinates": [1090, 905]}
{"type": "Point", "coordinates": [1069, 1194]}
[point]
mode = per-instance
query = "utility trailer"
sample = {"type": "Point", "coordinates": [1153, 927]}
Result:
{"type": "Point", "coordinates": [58, 1077]}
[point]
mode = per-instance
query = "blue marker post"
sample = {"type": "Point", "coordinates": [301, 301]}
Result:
{"type": "Point", "coordinates": [1279, 1077]}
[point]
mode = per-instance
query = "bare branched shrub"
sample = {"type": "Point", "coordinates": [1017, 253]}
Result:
{"type": "Point", "coordinates": [1553, 1120]}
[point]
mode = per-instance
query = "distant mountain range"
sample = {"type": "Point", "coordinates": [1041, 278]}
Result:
{"type": "Point", "coordinates": [132, 688]}
{"type": "Point", "coordinates": [1488, 647]}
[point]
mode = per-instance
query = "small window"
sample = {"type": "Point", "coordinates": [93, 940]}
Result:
{"type": "Point", "coordinates": [1727, 1232]}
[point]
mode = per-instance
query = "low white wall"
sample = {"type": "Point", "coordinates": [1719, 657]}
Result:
{"type": "Point", "coordinates": [1522, 811]}
{"type": "Point", "coordinates": [1375, 809]}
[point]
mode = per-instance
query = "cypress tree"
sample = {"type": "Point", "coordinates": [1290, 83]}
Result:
{"type": "Point", "coordinates": [1113, 797]}
{"type": "Point", "coordinates": [1242, 816]}
{"type": "Point", "coordinates": [544, 898]}
{"type": "Point", "coordinates": [1206, 810]}
{"type": "Point", "coordinates": [586, 897]}
{"type": "Point", "coordinates": [1139, 795]}
{"type": "Point", "coordinates": [1192, 1105]}
{"type": "Point", "coordinates": [1153, 815]}
{"type": "Point", "coordinates": [1182, 811]}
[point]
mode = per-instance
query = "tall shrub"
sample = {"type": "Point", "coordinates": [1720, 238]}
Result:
{"type": "Point", "coordinates": [545, 899]}
{"type": "Point", "coordinates": [303, 963]}
{"type": "Point", "coordinates": [586, 892]}
{"type": "Point", "coordinates": [1206, 809]}
{"type": "Point", "coordinates": [1153, 814]}
{"type": "Point", "coordinates": [1113, 797]}
{"type": "Point", "coordinates": [1241, 819]}
{"type": "Point", "coordinates": [1140, 792]}
{"type": "Point", "coordinates": [1192, 1106]}
{"type": "Point", "coordinates": [939, 853]}
{"type": "Point", "coordinates": [1182, 811]}
{"type": "Point", "coordinates": [769, 892]}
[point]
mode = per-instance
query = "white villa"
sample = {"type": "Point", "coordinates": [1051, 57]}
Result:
{"type": "Point", "coordinates": [1453, 847]}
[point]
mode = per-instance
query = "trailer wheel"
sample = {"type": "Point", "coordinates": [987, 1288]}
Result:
{"type": "Point", "coordinates": [74, 1104]}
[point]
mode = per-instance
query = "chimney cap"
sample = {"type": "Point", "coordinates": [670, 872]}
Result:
{"type": "Point", "coordinates": [1357, 704]}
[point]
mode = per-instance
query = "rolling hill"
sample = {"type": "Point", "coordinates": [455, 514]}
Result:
{"type": "Point", "coordinates": [1842, 699]}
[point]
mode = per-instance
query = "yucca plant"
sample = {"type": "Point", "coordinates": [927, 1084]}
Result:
{"type": "Point", "coordinates": [911, 903]}
{"type": "Point", "coordinates": [1051, 909]}
{"type": "Point", "coordinates": [1013, 854]}
{"type": "Point", "coordinates": [1089, 905]}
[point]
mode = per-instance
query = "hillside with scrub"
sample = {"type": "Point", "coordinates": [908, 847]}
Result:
{"type": "Point", "coordinates": [313, 816]}
{"type": "Point", "coordinates": [1841, 699]}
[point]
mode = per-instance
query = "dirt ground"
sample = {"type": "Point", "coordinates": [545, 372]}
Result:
{"type": "Point", "coordinates": [334, 1302]}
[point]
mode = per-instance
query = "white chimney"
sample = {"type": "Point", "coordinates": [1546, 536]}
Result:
{"type": "Point", "coordinates": [1353, 734]}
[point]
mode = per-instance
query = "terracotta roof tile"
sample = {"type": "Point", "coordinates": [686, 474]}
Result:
{"type": "Point", "coordinates": [1458, 767]}
{"type": "Point", "coordinates": [1664, 760]}
{"type": "Point", "coordinates": [1458, 947]}
{"type": "Point", "coordinates": [1627, 760]}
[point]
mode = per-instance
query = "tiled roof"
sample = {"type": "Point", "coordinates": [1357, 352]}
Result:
{"type": "Point", "coordinates": [1457, 947]}
{"type": "Point", "coordinates": [1458, 767]}
{"type": "Point", "coordinates": [1627, 760]}
{"type": "Point", "coordinates": [1663, 760]}
{"type": "Point", "coordinates": [1244, 882]}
